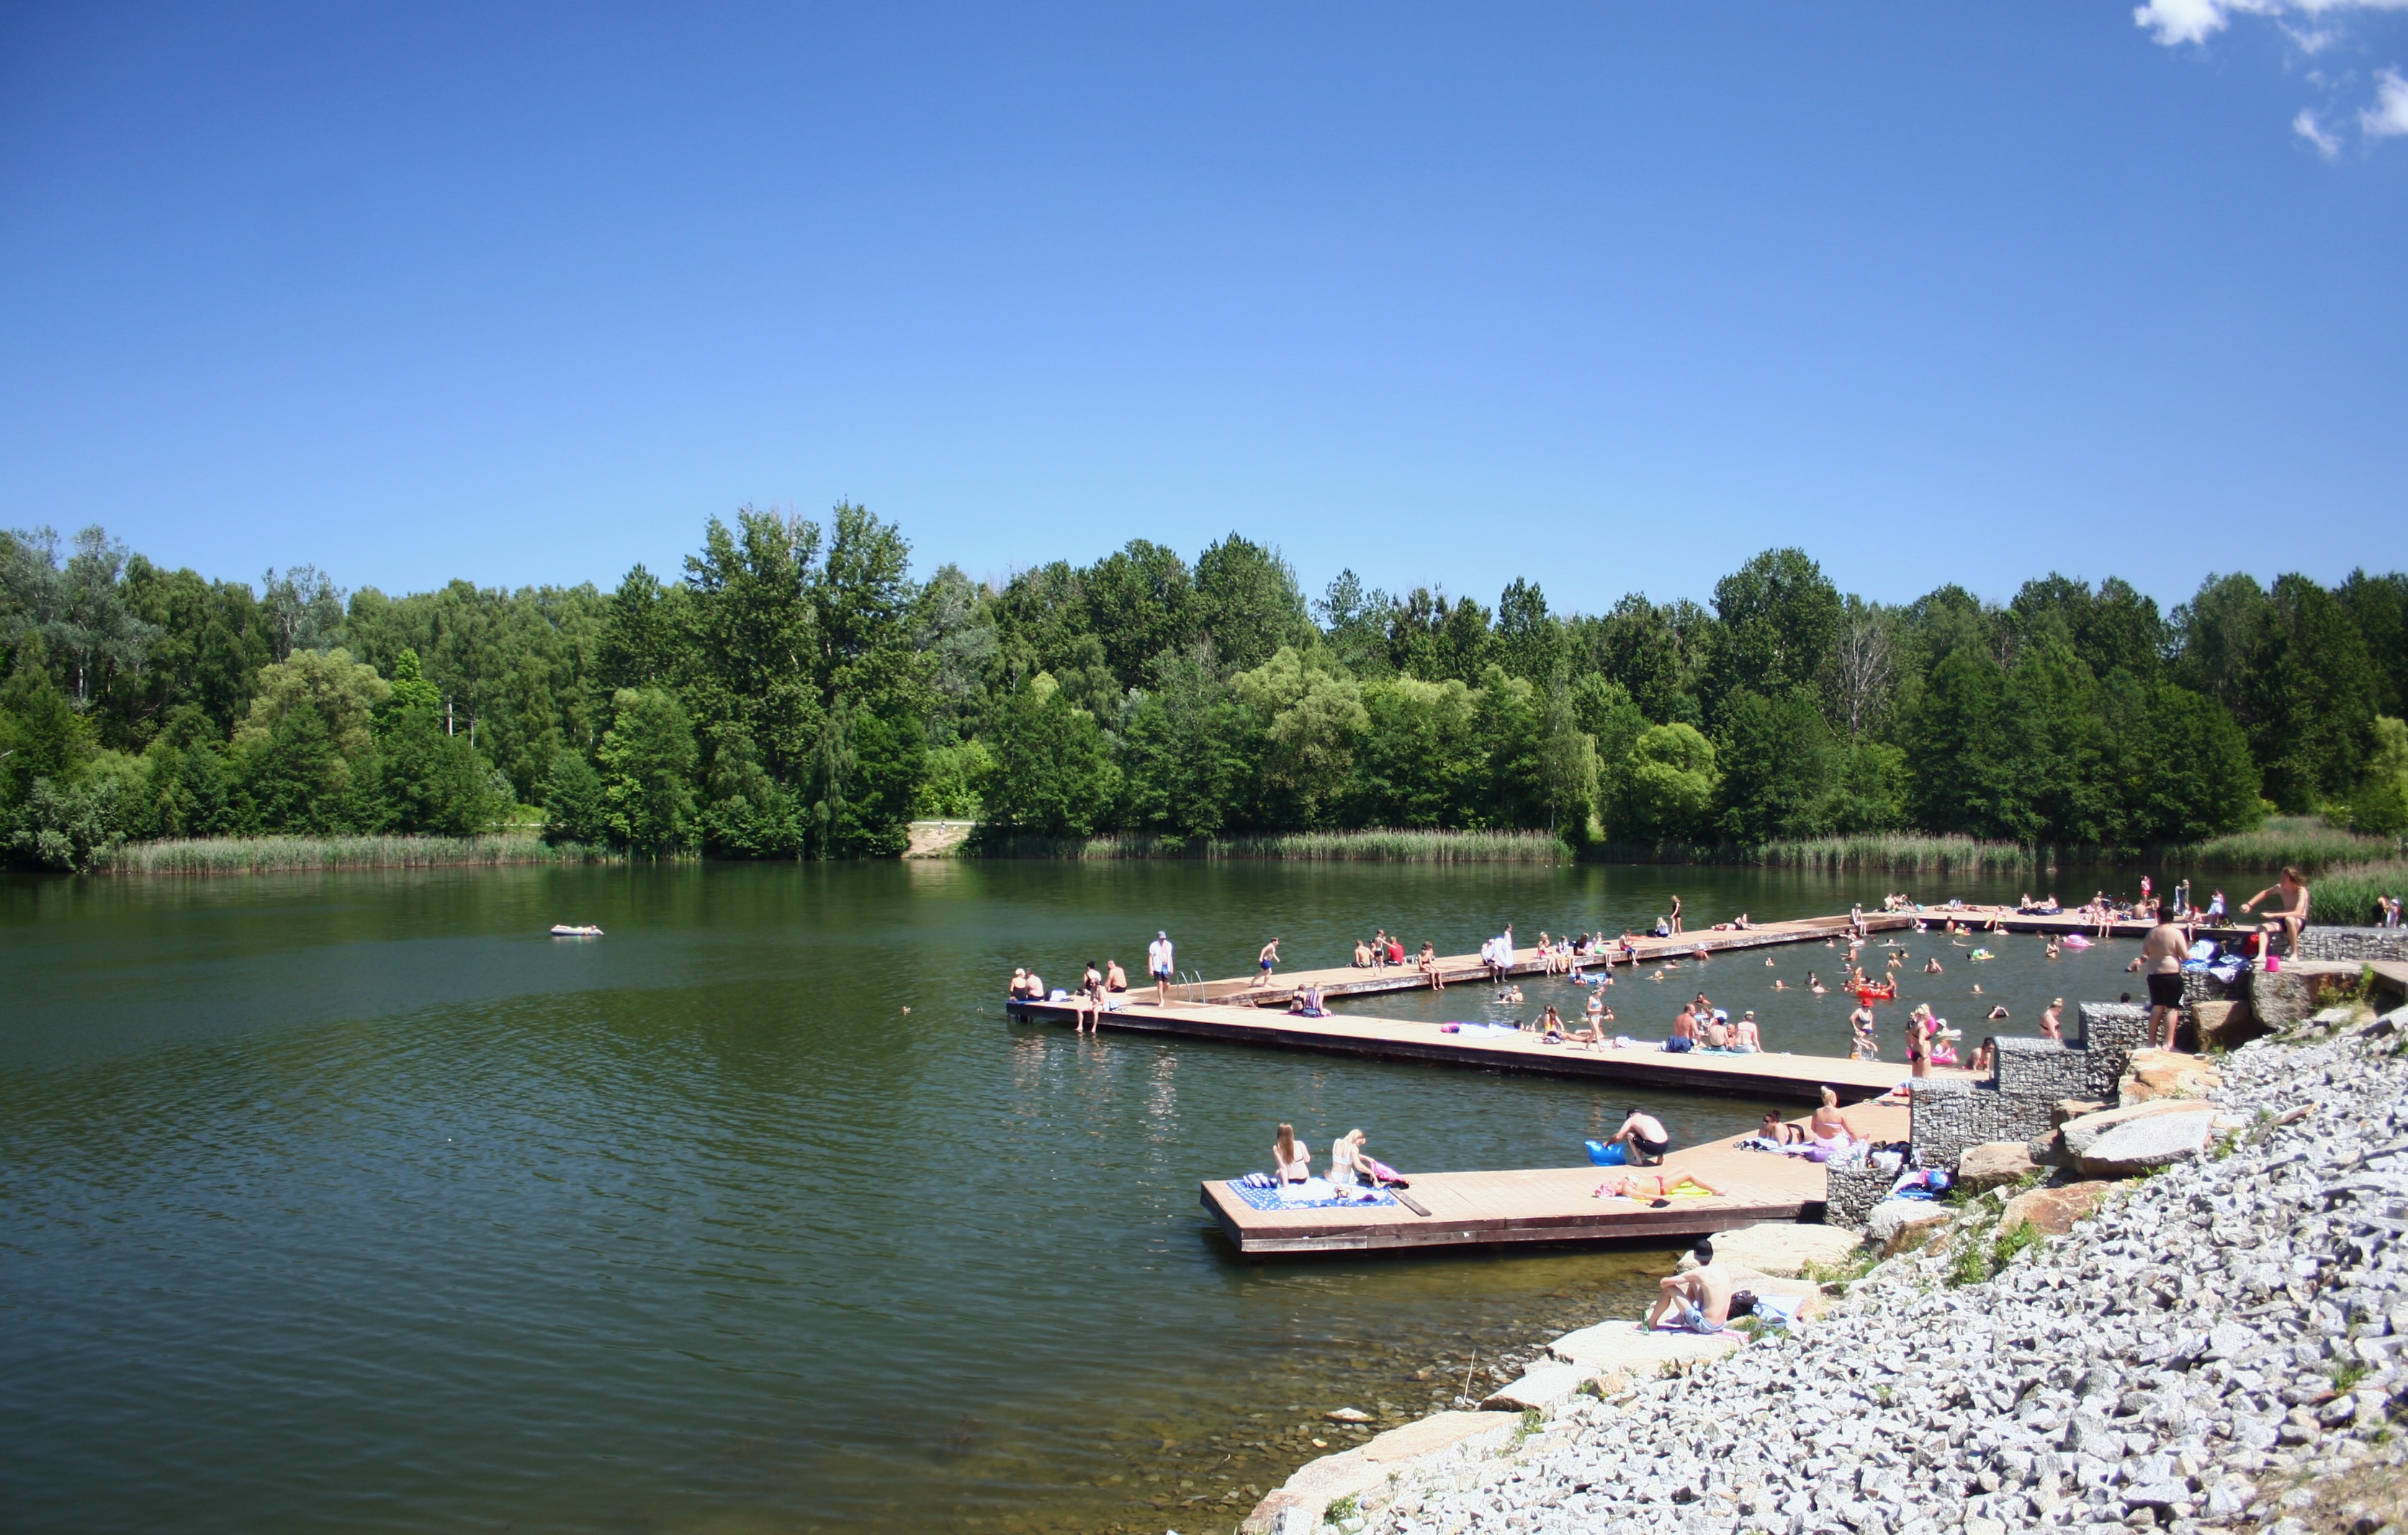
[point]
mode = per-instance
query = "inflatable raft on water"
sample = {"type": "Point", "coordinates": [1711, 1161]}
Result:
{"type": "Point", "coordinates": [563, 929]}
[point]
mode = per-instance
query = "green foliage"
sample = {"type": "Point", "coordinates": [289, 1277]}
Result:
{"type": "Point", "coordinates": [1978, 1252]}
{"type": "Point", "coordinates": [647, 763]}
{"type": "Point", "coordinates": [1052, 776]}
{"type": "Point", "coordinates": [803, 695]}
{"type": "Point", "coordinates": [575, 808]}
{"type": "Point", "coordinates": [1670, 785]}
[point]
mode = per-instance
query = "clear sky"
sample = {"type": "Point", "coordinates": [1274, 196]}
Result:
{"type": "Point", "coordinates": [1609, 295]}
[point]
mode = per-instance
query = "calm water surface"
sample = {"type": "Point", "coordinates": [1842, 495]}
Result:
{"type": "Point", "coordinates": [353, 1201]}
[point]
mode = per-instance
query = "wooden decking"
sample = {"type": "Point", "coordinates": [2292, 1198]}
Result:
{"type": "Point", "coordinates": [1350, 980]}
{"type": "Point", "coordinates": [1547, 1204]}
{"type": "Point", "coordinates": [1764, 1074]}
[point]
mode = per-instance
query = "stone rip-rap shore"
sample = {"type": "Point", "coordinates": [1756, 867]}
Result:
{"type": "Point", "coordinates": [2220, 1346]}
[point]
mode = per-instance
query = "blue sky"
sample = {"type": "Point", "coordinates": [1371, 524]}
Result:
{"type": "Point", "coordinates": [1609, 295]}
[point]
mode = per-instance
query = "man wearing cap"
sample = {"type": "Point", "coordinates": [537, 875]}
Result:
{"type": "Point", "coordinates": [1158, 961]}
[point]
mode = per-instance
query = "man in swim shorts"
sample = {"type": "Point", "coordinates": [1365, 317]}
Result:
{"type": "Point", "coordinates": [1268, 959]}
{"type": "Point", "coordinates": [2162, 953]}
{"type": "Point", "coordinates": [1643, 1139]}
{"type": "Point", "coordinates": [1696, 1301]}
{"type": "Point", "coordinates": [1157, 964]}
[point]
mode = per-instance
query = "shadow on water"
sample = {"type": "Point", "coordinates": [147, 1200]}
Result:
{"type": "Point", "coordinates": [352, 1200]}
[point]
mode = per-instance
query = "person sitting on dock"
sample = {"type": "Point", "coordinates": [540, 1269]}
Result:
{"type": "Point", "coordinates": [1685, 1033]}
{"type": "Point", "coordinates": [1828, 1127]}
{"type": "Point", "coordinates": [1019, 992]}
{"type": "Point", "coordinates": [1350, 1163]}
{"type": "Point", "coordinates": [1294, 1162]}
{"type": "Point", "coordinates": [1115, 979]}
{"type": "Point", "coordinates": [1428, 963]}
{"type": "Point", "coordinates": [1642, 1138]}
{"type": "Point", "coordinates": [1307, 1003]}
{"type": "Point", "coordinates": [1745, 1036]}
{"type": "Point", "coordinates": [1780, 1131]}
{"type": "Point", "coordinates": [1550, 1026]}
{"type": "Point", "coordinates": [1718, 1032]}
{"type": "Point", "coordinates": [1088, 1007]}
{"type": "Point", "coordinates": [1655, 1187]}
{"type": "Point", "coordinates": [1362, 955]}
{"type": "Point", "coordinates": [1696, 1301]}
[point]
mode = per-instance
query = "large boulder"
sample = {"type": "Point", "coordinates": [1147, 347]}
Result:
{"type": "Point", "coordinates": [2143, 1145]}
{"type": "Point", "coordinates": [2224, 1025]}
{"type": "Point", "coordinates": [1616, 1353]}
{"type": "Point", "coordinates": [2284, 999]}
{"type": "Point", "coordinates": [1993, 1165]}
{"type": "Point", "coordinates": [2080, 1135]}
{"type": "Point", "coordinates": [1899, 1226]}
{"type": "Point", "coordinates": [2150, 1075]}
{"type": "Point", "coordinates": [2054, 1211]}
{"type": "Point", "coordinates": [1296, 1505]}
{"type": "Point", "coordinates": [1782, 1249]}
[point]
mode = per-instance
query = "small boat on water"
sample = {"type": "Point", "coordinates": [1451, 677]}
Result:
{"type": "Point", "coordinates": [563, 929]}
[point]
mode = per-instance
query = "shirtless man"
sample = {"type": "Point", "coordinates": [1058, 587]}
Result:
{"type": "Point", "coordinates": [1115, 979]}
{"type": "Point", "coordinates": [1685, 1033]}
{"type": "Point", "coordinates": [2286, 919]}
{"type": "Point", "coordinates": [1698, 1301]}
{"type": "Point", "coordinates": [1718, 1034]}
{"type": "Point", "coordinates": [1267, 959]}
{"type": "Point", "coordinates": [2162, 953]}
{"type": "Point", "coordinates": [1643, 1139]}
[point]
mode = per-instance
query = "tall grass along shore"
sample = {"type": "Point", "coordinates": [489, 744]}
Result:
{"type": "Point", "coordinates": [1394, 847]}
{"type": "Point", "coordinates": [294, 854]}
{"type": "Point", "coordinates": [2345, 897]}
{"type": "Point", "coordinates": [2301, 840]}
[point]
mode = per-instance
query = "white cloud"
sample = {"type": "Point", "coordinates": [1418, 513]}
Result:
{"type": "Point", "coordinates": [2176, 21]}
{"type": "Point", "coordinates": [2183, 21]}
{"type": "Point", "coordinates": [2389, 116]}
{"type": "Point", "coordinates": [2305, 126]}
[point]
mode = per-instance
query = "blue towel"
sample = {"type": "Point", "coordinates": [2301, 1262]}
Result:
{"type": "Point", "coordinates": [1268, 1198]}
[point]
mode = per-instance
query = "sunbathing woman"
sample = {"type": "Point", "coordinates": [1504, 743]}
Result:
{"type": "Point", "coordinates": [1655, 1187]}
{"type": "Point", "coordinates": [1294, 1162]}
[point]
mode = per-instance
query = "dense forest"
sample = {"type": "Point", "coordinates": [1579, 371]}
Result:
{"type": "Point", "coordinates": [795, 692]}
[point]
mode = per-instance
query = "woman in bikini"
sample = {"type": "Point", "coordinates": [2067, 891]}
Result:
{"type": "Point", "coordinates": [1292, 1157]}
{"type": "Point", "coordinates": [1653, 1187]}
{"type": "Point", "coordinates": [1428, 963]}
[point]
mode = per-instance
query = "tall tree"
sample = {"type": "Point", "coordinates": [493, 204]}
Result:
{"type": "Point", "coordinates": [1247, 603]}
{"type": "Point", "coordinates": [1778, 617]}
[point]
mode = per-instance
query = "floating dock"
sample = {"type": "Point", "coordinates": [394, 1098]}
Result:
{"type": "Point", "coordinates": [1548, 1204]}
{"type": "Point", "coordinates": [1760, 1074]}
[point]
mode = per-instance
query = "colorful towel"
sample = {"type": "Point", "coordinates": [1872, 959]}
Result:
{"type": "Point", "coordinates": [1334, 1198]}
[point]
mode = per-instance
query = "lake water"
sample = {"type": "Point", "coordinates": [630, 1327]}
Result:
{"type": "Point", "coordinates": [353, 1201]}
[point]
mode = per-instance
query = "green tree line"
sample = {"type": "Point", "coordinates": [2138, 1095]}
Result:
{"type": "Point", "coordinates": [793, 692]}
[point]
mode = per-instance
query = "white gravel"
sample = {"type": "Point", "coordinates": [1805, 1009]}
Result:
{"type": "Point", "coordinates": [2174, 1360]}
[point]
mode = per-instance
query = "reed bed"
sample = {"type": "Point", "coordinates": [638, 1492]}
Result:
{"type": "Point", "coordinates": [2344, 896]}
{"type": "Point", "coordinates": [1911, 853]}
{"type": "Point", "coordinates": [2302, 841]}
{"type": "Point", "coordinates": [299, 855]}
{"type": "Point", "coordinates": [1373, 846]}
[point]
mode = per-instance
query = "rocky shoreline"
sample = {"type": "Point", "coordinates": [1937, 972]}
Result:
{"type": "Point", "coordinates": [2219, 1344]}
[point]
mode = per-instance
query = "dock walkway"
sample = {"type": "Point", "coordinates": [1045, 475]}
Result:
{"type": "Point", "coordinates": [1762, 1074]}
{"type": "Point", "coordinates": [1548, 1204]}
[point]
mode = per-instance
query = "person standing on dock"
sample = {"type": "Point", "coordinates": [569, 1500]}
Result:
{"type": "Point", "coordinates": [1676, 913]}
{"type": "Point", "coordinates": [1157, 964]}
{"type": "Point", "coordinates": [1266, 960]}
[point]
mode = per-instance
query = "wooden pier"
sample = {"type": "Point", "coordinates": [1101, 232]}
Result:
{"type": "Point", "coordinates": [1760, 1074]}
{"type": "Point", "coordinates": [1548, 1204]}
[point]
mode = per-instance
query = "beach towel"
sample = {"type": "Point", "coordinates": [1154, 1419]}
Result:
{"type": "Point", "coordinates": [1312, 1194]}
{"type": "Point", "coordinates": [1777, 1310]}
